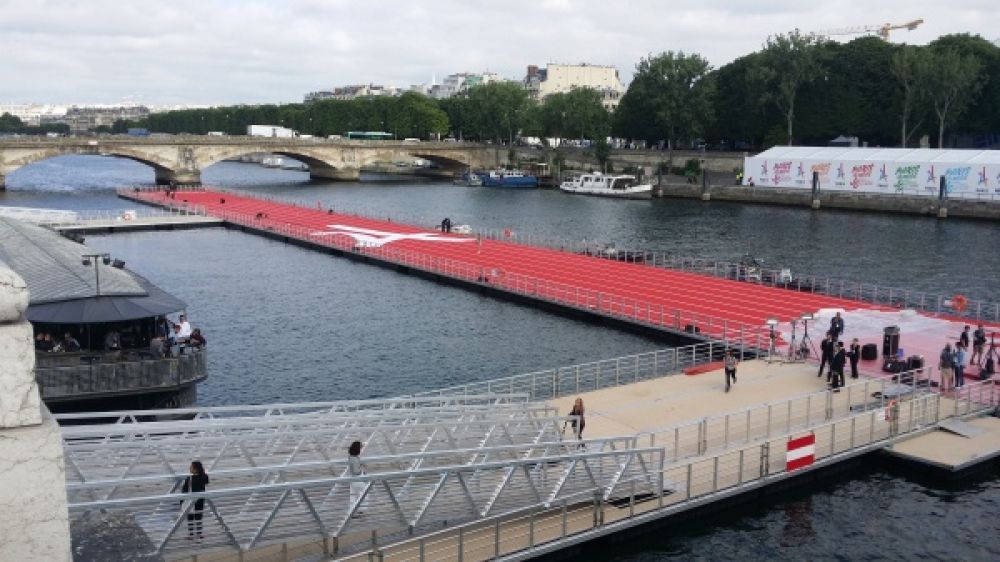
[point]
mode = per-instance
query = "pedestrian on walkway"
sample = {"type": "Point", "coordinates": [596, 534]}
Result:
{"type": "Point", "coordinates": [578, 422]}
{"type": "Point", "coordinates": [959, 363]}
{"type": "Point", "coordinates": [854, 355]}
{"type": "Point", "coordinates": [978, 345]}
{"type": "Point", "coordinates": [947, 367]}
{"type": "Point", "coordinates": [355, 468]}
{"type": "Point", "coordinates": [826, 354]}
{"type": "Point", "coordinates": [963, 338]}
{"type": "Point", "coordinates": [730, 369]}
{"type": "Point", "coordinates": [195, 483]}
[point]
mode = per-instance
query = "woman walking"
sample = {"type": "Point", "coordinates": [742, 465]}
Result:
{"type": "Point", "coordinates": [355, 468]}
{"type": "Point", "coordinates": [730, 368]}
{"type": "Point", "coordinates": [579, 422]}
{"type": "Point", "coordinates": [195, 483]}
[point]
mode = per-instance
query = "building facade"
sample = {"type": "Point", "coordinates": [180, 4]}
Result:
{"type": "Point", "coordinates": [560, 78]}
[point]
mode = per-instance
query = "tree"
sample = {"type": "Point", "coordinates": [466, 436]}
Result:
{"type": "Point", "coordinates": [498, 109]}
{"type": "Point", "coordinates": [951, 81]}
{"type": "Point", "coordinates": [577, 113]}
{"type": "Point", "coordinates": [788, 63]}
{"type": "Point", "coordinates": [904, 67]}
{"type": "Point", "coordinates": [676, 91]}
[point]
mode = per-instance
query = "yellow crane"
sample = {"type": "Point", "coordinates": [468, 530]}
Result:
{"type": "Point", "coordinates": [880, 30]}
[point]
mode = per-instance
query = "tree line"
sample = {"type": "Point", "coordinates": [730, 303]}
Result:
{"type": "Point", "coordinates": [12, 125]}
{"type": "Point", "coordinates": [797, 88]}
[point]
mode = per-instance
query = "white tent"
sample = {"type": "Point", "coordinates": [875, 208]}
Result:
{"type": "Point", "coordinates": [917, 171]}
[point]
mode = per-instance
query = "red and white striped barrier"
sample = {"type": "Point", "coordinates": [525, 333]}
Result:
{"type": "Point", "coordinates": [801, 452]}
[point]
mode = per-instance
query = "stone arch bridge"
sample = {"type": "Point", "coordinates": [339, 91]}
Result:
{"type": "Point", "coordinates": [181, 159]}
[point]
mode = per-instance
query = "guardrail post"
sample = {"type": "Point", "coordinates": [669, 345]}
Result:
{"type": "Point", "coordinates": [703, 436]}
{"type": "Point", "coordinates": [496, 536]}
{"type": "Point", "coordinates": [765, 459]}
{"type": "Point", "coordinates": [829, 406]}
{"type": "Point", "coordinates": [461, 543]}
{"type": "Point", "coordinates": [739, 476]}
{"type": "Point", "coordinates": [688, 487]}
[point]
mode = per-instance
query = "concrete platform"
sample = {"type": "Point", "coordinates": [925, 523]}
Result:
{"type": "Point", "coordinates": [950, 451]}
{"type": "Point", "coordinates": [166, 222]}
{"type": "Point", "coordinates": [648, 405]}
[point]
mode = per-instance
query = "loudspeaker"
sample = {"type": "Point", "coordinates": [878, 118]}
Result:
{"type": "Point", "coordinates": [890, 341]}
{"type": "Point", "coordinates": [869, 352]}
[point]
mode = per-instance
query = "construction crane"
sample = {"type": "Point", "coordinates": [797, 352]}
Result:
{"type": "Point", "coordinates": [880, 30]}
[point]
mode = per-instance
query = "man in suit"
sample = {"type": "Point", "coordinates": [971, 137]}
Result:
{"type": "Point", "coordinates": [854, 355]}
{"type": "Point", "coordinates": [837, 367]}
{"type": "Point", "coordinates": [836, 326]}
{"type": "Point", "coordinates": [826, 354]}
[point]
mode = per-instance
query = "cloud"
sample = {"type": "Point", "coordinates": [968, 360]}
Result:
{"type": "Point", "coordinates": [228, 51]}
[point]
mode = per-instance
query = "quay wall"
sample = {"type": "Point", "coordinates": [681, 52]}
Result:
{"type": "Point", "coordinates": [872, 202]}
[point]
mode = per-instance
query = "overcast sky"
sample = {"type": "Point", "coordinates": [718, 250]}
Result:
{"type": "Point", "coordinates": [250, 51]}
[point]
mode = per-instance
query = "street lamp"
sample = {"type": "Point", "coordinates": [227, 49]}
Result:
{"type": "Point", "coordinates": [92, 258]}
{"type": "Point", "coordinates": [771, 322]}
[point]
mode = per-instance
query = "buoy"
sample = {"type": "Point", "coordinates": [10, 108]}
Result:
{"type": "Point", "coordinates": [959, 303]}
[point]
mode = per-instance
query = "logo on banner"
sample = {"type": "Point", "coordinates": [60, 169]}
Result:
{"type": "Point", "coordinates": [906, 176]}
{"type": "Point", "coordinates": [801, 452]}
{"type": "Point", "coordinates": [882, 176]}
{"type": "Point", "coordinates": [821, 169]}
{"type": "Point", "coordinates": [983, 178]}
{"type": "Point", "coordinates": [782, 172]}
{"type": "Point", "coordinates": [763, 169]}
{"type": "Point", "coordinates": [861, 176]}
{"type": "Point", "coordinates": [957, 178]}
{"type": "Point", "coordinates": [931, 176]}
{"type": "Point", "coordinates": [368, 238]}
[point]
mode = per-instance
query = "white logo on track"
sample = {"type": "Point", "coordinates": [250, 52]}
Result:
{"type": "Point", "coordinates": [369, 238]}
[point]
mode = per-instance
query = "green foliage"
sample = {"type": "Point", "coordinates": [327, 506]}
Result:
{"type": "Point", "coordinates": [497, 110]}
{"type": "Point", "coordinates": [670, 97]}
{"type": "Point", "coordinates": [602, 151]}
{"type": "Point", "coordinates": [11, 124]}
{"type": "Point", "coordinates": [578, 113]}
{"type": "Point", "coordinates": [950, 81]}
{"type": "Point", "coordinates": [788, 62]}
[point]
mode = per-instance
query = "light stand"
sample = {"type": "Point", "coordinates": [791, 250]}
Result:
{"type": "Point", "coordinates": [92, 258]}
{"type": "Point", "coordinates": [807, 343]}
{"type": "Point", "coordinates": [792, 348]}
{"type": "Point", "coordinates": [771, 323]}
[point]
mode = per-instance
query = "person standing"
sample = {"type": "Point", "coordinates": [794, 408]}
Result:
{"type": "Point", "coordinates": [194, 484]}
{"type": "Point", "coordinates": [947, 367]}
{"type": "Point", "coordinates": [355, 468]}
{"type": "Point", "coordinates": [579, 422]}
{"type": "Point", "coordinates": [978, 345]}
{"type": "Point", "coordinates": [963, 338]}
{"type": "Point", "coordinates": [959, 364]}
{"type": "Point", "coordinates": [837, 367]}
{"type": "Point", "coordinates": [854, 355]}
{"type": "Point", "coordinates": [730, 364]}
{"type": "Point", "coordinates": [826, 354]}
{"type": "Point", "coordinates": [836, 326]}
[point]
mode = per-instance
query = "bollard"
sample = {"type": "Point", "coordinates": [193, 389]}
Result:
{"type": "Point", "coordinates": [943, 199]}
{"type": "Point", "coordinates": [815, 190]}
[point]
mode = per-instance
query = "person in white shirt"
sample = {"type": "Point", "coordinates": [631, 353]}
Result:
{"type": "Point", "coordinates": [185, 332]}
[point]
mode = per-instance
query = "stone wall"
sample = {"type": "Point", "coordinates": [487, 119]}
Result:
{"type": "Point", "coordinates": [35, 523]}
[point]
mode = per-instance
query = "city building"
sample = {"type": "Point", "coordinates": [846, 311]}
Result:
{"type": "Point", "coordinates": [460, 83]}
{"type": "Point", "coordinates": [561, 78]}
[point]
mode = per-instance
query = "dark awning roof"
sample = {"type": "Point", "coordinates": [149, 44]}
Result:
{"type": "Point", "coordinates": [95, 310]}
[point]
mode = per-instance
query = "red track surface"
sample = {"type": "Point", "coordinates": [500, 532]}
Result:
{"type": "Point", "coordinates": [688, 296]}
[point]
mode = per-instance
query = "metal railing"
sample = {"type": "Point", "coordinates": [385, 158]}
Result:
{"type": "Point", "coordinates": [764, 421]}
{"type": "Point", "coordinates": [338, 508]}
{"type": "Point", "coordinates": [120, 377]}
{"type": "Point", "coordinates": [586, 377]}
{"type": "Point", "coordinates": [299, 408]}
{"type": "Point", "coordinates": [536, 529]}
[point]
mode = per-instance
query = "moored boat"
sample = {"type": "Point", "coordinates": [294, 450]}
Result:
{"type": "Point", "coordinates": [508, 178]}
{"type": "Point", "coordinates": [621, 186]}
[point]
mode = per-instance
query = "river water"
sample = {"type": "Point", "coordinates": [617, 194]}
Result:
{"type": "Point", "coordinates": [287, 324]}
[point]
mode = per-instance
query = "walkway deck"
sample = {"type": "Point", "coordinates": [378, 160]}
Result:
{"type": "Point", "coordinates": [122, 224]}
{"type": "Point", "coordinates": [950, 451]}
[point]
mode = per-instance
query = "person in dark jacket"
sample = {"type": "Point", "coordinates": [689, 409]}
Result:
{"type": "Point", "coordinates": [195, 483]}
{"type": "Point", "coordinates": [826, 354]}
{"type": "Point", "coordinates": [836, 326]}
{"type": "Point", "coordinates": [854, 355]}
{"type": "Point", "coordinates": [837, 367]}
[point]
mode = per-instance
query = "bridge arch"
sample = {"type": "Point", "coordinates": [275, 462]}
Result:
{"type": "Point", "coordinates": [323, 166]}
{"type": "Point", "coordinates": [30, 157]}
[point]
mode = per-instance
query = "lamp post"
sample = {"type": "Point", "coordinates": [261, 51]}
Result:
{"type": "Point", "coordinates": [92, 258]}
{"type": "Point", "coordinates": [771, 323]}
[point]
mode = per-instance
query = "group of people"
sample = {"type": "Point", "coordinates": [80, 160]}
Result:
{"type": "Point", "coordinates": [175, 337]}
{"type": "Point", "coordinates": [951, 362]}
{"type": "Point", "coordinates": [46, 343]}
{"type": "Point", "coordinates": [834, 357]}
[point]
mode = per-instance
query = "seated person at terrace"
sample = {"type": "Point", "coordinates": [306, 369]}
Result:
{"type": "Point", "coordinates": [69, 343]}
{"type": "Point", "coordinates": [111, 341]}
{"type": "Point", "coordinates": [197, 340]}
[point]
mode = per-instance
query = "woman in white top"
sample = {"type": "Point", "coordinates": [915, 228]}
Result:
{"type": "Point", "coordinates": [355, 468]}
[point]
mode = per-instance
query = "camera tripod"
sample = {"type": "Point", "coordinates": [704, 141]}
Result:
{"type": "Point", "coordinates": [798, 350]}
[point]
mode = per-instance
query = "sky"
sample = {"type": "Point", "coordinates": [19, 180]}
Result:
{"type": "Point", "coordinates": [255, 51]}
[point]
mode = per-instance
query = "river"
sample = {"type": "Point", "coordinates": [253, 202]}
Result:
{"type": "Point", "coordinates": [287, 324]}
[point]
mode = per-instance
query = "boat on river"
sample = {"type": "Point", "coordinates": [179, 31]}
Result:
{"type": "Point", "coordinates": [508, 178]}
{"type": "Point", "coordinates": [619, 186]}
